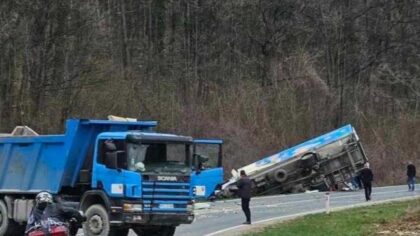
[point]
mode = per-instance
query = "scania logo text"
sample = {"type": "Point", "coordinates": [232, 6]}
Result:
{"type": "Point", "coordinates": [166, 178]}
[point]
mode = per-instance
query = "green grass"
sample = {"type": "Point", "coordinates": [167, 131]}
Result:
{"type": "Point", "coordinates": [358, 221]}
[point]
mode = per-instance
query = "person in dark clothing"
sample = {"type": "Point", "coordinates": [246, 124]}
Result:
{"type": "Point", "coordinates": [411, 176]}
{"type": "Point", "coordinates": [46, 211]}
{"type": "Point", "coordinates": [366, 176]}
{"type": "Point", "coordinates": [244, 192]}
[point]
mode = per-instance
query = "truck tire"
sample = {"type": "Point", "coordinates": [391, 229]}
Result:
{"type": "Point", "coordinates": [280, 175]}
{"type": "Point", "coordinates": [321, 186]}
{"type": "Point", "coordinates": [155, 231]}
{"type": "Point", "coordinates": [97, 223]}
{"type": "Point", "coordinates": [4, 220]}
{"type": "Point", "coordinates": [9, 227]}
{"type": "Point", "coordinates": [308, 160]}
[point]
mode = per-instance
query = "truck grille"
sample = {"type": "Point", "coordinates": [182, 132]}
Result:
{"type": "Point", "coordinates": [165, 196]}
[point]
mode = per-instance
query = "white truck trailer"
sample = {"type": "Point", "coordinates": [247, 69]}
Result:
{"type": "Point", "coordinates": [328, 162]}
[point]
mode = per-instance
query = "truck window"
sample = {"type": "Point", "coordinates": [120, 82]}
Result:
{"type": "Point", "coordinates": [211, 151]}
{"type": "Point", "coordinates": [136, 154]}
{"type": "Point", "coordinates": [176, 153]}
{"type": "Point", "coordinates": [157, 155]}
{"type": "Point", "coordinates": [110, 145]}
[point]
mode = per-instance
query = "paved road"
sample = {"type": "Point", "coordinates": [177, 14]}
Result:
{"type": "Point", "coordinates": [225, 217]}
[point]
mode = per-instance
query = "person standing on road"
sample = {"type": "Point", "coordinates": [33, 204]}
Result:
{"type": "Point", "coordinates": [366, 176]}
{"type": "Point", "coordinates": [411, 176]}
{"type": "Point", "coordinates": [244, 192]}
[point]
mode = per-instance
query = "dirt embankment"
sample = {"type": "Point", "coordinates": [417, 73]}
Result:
{"type": "Point", "coordinates": [409, 224]}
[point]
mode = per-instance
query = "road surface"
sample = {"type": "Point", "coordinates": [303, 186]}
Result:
{"type": "Point", "coordinates": [226, 217]}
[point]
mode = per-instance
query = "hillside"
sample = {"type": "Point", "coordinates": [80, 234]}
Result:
{"type": "Point", "coordinates": [263, 75]}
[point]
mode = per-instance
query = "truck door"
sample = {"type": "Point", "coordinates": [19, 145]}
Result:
{"type": "Point", "coordinates": [110, 170]}
{"type": "Point", "coordinates": [208, 170]}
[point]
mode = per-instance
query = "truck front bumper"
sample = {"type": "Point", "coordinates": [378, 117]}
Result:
{"type": "Point", "coordinates": [144, 218]}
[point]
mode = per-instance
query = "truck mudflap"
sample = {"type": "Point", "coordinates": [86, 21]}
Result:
{"type": "Point", "coordinates": [171, 219]}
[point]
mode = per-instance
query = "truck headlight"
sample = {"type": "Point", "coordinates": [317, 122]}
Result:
{"type": "Point", "coordinates": [132, 207]}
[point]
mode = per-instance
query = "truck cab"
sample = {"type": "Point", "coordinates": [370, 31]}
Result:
{"type": "Point", "coordinates": [146, 176]}
{"type": "Point", "coordinates": [207, 176]}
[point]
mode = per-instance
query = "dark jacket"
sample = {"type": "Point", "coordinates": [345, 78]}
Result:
{"type": "Point", "coordinates": [54, 211]}
{"type": "Point", "coordinates": [366, 175]}
{"type": "Point", "coordinates": [244, 187]}
{"type": "Point", "coordinates": [411, 171]}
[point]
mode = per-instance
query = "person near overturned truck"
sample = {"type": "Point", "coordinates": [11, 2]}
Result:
{"type": "Point", "coordinates": [411, 176]}
{"type": "Point", "coordinates": [244, 192]}
{"type": "Point", "coordinates": [366, 176]}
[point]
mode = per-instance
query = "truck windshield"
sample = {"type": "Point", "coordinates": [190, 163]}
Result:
{"type": "Point", "coordinates": [158, 157]}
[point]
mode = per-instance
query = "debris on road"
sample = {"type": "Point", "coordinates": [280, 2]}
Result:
{"type": "Point", "coordinates": [201, 205]}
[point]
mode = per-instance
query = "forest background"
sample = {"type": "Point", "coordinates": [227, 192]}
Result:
{"type": "Point", "coordinates": [261, 74]}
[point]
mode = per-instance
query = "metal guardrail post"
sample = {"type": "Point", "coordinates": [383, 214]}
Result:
{"type": "Point", "coordinates": [327, 202]}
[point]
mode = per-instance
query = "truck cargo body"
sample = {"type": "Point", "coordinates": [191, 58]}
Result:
{"type": "Point", "coordinates": [329, 161]}
{"type": "Point", "coordinates": [30, 164]}
{"type": "Point", "coordinates": [95, 165]}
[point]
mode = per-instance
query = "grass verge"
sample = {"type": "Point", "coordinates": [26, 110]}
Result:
{"type": "Point", "coordinates": [370, 220]}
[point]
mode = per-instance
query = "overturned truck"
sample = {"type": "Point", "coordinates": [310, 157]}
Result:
{"type": "Point", "coordinates": [328, 162]}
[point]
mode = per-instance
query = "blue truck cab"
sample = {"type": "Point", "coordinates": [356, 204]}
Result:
{"type": "Point", "coordinates": [122, 175]}
{"type": "Point", "coordinates": [207, 161]}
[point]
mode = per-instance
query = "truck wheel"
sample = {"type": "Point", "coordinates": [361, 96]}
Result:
{"type": "Point", "coordinates": [321, 186]}
{"type": "Point", "coordinates": [280, 175]}
{"type": "Point", "coordinates": [308, 160]}
{"type": "Point", "coordinates": [306, 172]}
{"type": "Point", "coordinates": [155, 231]}
{"type": "Point", "coordinates": [8, 227]}
{"type": "Point", "coordinates": [4, 221]}
{"type": "Point", "coordinates": [97, 222]}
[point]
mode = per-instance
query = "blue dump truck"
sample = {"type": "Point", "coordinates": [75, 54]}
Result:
{"type": "Point", "coordinates": [327, 162]}
{"type": "Point", "coordinates": [208, 175]}
{"type": "Point", "coordinates": [122, 175]}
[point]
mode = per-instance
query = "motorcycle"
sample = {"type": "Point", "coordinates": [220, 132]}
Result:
{"type": "Point", "coordinates": [53, 231]}
{"type": "Point", "coordinates": [51, 227]}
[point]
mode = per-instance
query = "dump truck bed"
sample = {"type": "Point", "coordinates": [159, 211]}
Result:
{"type": "Point", "coordinates": [49, 162]}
